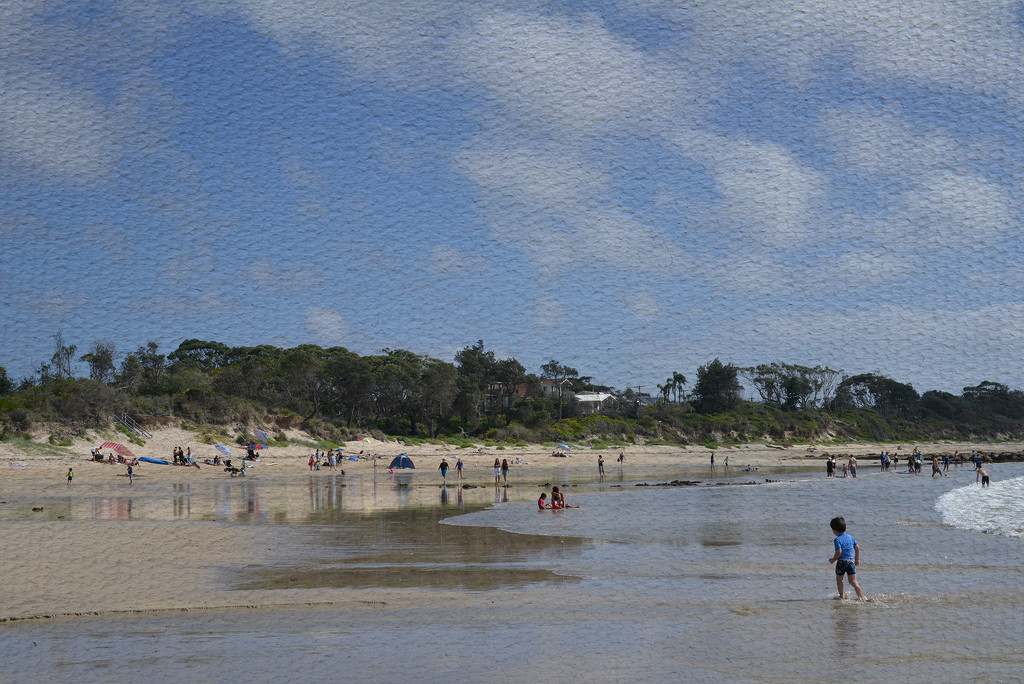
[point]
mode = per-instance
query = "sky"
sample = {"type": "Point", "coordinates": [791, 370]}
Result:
{"type": "Point", "coordinates": [631, 188]}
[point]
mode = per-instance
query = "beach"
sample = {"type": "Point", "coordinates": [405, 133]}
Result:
{"type": "Point", "coordinates": [284, 558]}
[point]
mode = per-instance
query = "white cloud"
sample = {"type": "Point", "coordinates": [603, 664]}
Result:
{"type": "Point", "coordinates": [965, 44]}
{"type": "Point", "coordinates": [549, 313]}
{"type": "Point", "coordinates": [326, 326]}
{"type": "Point", "coordinates": [643, 305]}
{"type": "Point", "coordinates": [960, 207]}
{"type": "Point", "coordinates": [402, 41]}
{"type": "Point", "coordinates": [55, 129]}
{"type": "Point", "coordinates": [571, 75]}
{"type": "Point", "coordinates": [560, 210]}
{"type": "Point", "coordinates": [880, 142]}
{"type": "Point", "coordinates": [767, 193]}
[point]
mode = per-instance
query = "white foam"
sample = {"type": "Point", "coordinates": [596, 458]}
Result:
{"type": "Point", "coordinates": [998, 509]}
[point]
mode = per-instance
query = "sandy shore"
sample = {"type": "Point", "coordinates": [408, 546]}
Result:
{"type": "Point", "coordinates": [50, 464]}
{"type": "Point", "coordinates": [100, 547]}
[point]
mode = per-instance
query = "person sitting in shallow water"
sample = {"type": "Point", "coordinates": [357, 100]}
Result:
{"type": "Point", "coordinates": [557, 497]}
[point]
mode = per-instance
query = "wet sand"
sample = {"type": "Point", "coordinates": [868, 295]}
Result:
{"type": "Point", "coordinates": [182, 538]}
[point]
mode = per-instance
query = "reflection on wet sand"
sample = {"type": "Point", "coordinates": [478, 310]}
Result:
{"type": "Point", "coordinates": [343, 532]}
{"type": "Point", "coordinates": [255, 501]}
{"type": "Point", "coordinates": [407, 548]}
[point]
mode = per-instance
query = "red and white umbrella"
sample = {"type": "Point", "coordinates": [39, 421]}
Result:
{"type": "Point", "coordinates": [118, 448]}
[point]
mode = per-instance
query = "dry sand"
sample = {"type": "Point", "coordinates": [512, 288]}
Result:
{"type": "Point", "coordinates": [51, 464]}
{"type": "Point", "coordinates": [102, 564]}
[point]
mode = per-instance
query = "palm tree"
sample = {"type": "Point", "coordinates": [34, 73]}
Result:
{"type": "Point", "coordinates": [678, 381]}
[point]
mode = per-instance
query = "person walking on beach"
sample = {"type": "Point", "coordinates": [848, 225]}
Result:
{"type": "Point", "coordinates": [712, 461]}
{"type": "Point", "coordinates": [504, 470]}
{"type": "Point", "coordinates": [444, 471]}
{"type": "Point", "coordinates": [497, 471]}
{"type": "Point", "coordinates": [600, 466]}
{"type": "Point", "coordinates": [131, 476]}
{"type": "Point", "coordinates": [458, 468]}
{"type": "Point", "coordinates": [71, 476]}
{"type": "Point", "coordinates": [982, 475]}
{"type": "Point", "coordinates": [846, 557]}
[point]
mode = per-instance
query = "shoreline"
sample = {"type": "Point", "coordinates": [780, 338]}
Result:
{"type": "Point", "coordinates": [40, 463]}
{"type": "Point", "coordinates": [180, 539]}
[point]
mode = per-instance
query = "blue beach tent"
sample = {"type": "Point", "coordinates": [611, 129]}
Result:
{"type": "Point", "coordinates": [402, 461]}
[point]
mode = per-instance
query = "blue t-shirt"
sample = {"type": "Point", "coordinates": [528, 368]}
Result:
{"type": "Point", "coordinates": [846, 543]}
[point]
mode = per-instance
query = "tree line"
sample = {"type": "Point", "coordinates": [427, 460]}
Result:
{"type": "Point", "coordinates": [399, 392]}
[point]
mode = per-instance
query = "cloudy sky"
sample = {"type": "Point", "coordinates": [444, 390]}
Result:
{"type": "Point", "coordinates": [632, 188]}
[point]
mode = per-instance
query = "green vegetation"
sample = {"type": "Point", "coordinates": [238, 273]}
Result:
{"type": "Point", "coordinates": [334, 395]}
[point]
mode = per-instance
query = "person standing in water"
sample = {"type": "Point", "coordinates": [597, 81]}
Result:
{"type": "Point", "coordinates": [600, 466]}
{"type": "Point", "coordinates": [846, 557]}
{"type": "Point", "coordinates": [504, 470]}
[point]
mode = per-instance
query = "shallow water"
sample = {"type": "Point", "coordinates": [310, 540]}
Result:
{"type": "Point", "coordinates": [705, 583]}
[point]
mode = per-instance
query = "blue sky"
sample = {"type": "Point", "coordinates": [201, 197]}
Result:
{"type": "Point", "coordinates": [632, 188]}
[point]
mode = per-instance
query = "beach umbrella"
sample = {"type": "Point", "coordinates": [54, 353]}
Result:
{"type": "Point", "coordinates": [262, 435]}
{"type": "Point", "coordinates": [118, 448]}
{"type": "Point", "coordinates": [223, 449]}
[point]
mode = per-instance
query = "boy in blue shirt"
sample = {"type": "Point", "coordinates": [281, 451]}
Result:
{"type": "Point", "coordinates": [846, 557]}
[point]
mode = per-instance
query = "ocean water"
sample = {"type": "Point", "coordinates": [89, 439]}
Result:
{"type": "Point", "coordinates": [726, 582]}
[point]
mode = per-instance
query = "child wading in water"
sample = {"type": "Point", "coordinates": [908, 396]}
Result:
{"type": "Point", "coordinates": [846, 557]}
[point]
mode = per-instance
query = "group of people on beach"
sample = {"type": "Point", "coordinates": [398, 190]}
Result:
{"type": "Point", "coordinates": [556, 502]}
{"type": "Point", "coordinates": [330, 460]}
{"type": "Point", "coordinates": [501, 470]}
{"type": "Point", "coordinates": [849, 468]}
{"type": "Point", "coordinates": [183, 458]}
{"type": "Point", "coordinates": [915, 464]}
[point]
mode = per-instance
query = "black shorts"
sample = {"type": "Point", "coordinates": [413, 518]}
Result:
{"type": "Point", "coordinates": [846, 567]}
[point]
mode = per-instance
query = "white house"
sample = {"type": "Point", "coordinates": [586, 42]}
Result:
{"type": "Point", "coordinates": [594, 402]}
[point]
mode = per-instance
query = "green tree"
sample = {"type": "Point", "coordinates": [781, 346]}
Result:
{"type": "Point", "coordinates": [438, 387]}
{"type": "Point", "coordinates": [717, 388]}
{"type": "Point", "coordinates": [129, 376]}
{"type": "Point", "coordinates": [561, 377]}
{"type": "Point", "coordinates": [507, 375]}
{"type": "Point", "coordinates": [6, 384]}
{"type": "Point", "coordinates": [886, 396]}
{"type": "Point", "coordinates": [397, 377]}
{"type": "Point", "coordinates": [475, 367]}
{"type": "Point", "coordinates": [350, 379]}
{"type": "Point", "coordinates": [60, 366]}
{"type": "Point", "coordinates": [101, 361]}
{"type": "Point", "coordinates": [302, 378]}
{"type": "Point", "coordinates": [206, 356]}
